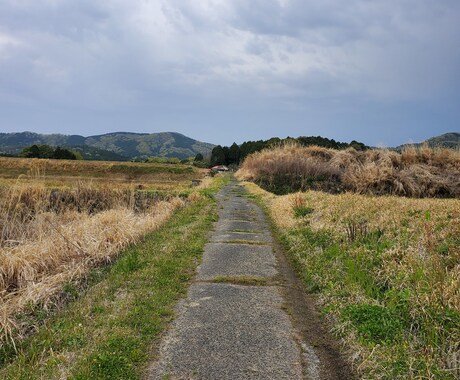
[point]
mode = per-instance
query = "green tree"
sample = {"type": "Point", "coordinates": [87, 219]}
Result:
{"type": "Point", "coordinates": [217, 156]}
{"type": "Point", "coordinates": [46, 151]}
{"type": "Point", "coordinates": [199, 157]}
{"type": "Point", "coordinates": [32, 151]}
{"type": "Point", "coordinates": [233, 154]}
{"type": "Point", "coordinates": [63, 154]}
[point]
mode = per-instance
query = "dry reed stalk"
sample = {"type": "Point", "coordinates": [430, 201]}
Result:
{"type": "Point", "coordinates": [415, 172]}
{"type": "Point", "coordinates": [64, 248]}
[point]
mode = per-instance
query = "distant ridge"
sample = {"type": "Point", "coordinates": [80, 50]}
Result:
{"type": "Point", "coordinates": [120, 145]}
{"type": "Point", "coordinates": [447, 140]}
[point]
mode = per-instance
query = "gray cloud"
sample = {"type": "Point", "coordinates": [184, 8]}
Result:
{"type": "Point", "coordinates": [160, 60]}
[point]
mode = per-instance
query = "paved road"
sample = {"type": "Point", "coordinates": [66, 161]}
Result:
{"type": "Point", "coordinates": [233, 324]}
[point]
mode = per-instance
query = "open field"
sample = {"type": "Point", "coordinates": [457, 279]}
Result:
{"type": "Point", "coordinates": [387, 274]}
{"type": "Point", "coordinates": [63, 173]}
{"type": "Point", "coordinates": [61, 219]}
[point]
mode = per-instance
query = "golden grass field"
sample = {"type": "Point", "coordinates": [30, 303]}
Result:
{"type": "Point", "coordinates": [386, 269]}
{"type": "Point", "coordinates": [415, 172]}
{"type": "Point", "coordinates": [59, 219]}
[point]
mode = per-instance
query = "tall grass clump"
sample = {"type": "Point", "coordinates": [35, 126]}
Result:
{"type": "Point", "coordinates": [415, 172]}
{"type": "Point", "coordinates": [51, 238]}
{"type": "Point", "coordinates": [386, 271]}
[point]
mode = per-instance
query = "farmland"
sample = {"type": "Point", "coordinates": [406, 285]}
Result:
{"type": "Point", "coordinates": [61, 220]}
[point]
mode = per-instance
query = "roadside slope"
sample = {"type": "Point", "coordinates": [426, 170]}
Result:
{"type": "Point", "coordinates": [107, 331]}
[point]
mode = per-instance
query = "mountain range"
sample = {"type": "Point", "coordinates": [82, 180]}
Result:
{"type": "Point", "coordinates": [112, 146]}
{"type": "Point", "coordinates": [120, 146]}
{"type": "Point", "coordinates": [447, 140]}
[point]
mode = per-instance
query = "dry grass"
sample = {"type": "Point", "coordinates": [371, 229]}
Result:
{"type": "Point", "coordinates": [399, 255]}
{"type": "Point", "coordinates": [415, 172]}
{"type": "Point", "coordinates": [62, 248]}
{"type": "Point", "coordinates": [53, 236]}
{"type": "Point", "coordinates": [63, 173]}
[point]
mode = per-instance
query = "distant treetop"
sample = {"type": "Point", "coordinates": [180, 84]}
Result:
{"type": "Point", "coordinates": [235, 154]}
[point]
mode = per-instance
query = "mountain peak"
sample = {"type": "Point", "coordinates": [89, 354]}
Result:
{"type": "Point", "coordinates": [127, 144]}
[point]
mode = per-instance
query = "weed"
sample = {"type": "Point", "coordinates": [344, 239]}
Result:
{"type": "Point", "coordinates": [243, 280]}
{"type": "Point", "coordinates": [300, 212]}
{"type": "Point", "coordinates": [375, 324]}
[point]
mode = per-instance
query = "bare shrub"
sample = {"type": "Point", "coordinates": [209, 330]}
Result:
{"type": "Point", "coordinates": [415, 172]}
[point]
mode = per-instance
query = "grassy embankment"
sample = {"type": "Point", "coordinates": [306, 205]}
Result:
{"type": "Point", "coordinates": [386, 270]}
{"type": "Point", "coordinates": [53, 239]}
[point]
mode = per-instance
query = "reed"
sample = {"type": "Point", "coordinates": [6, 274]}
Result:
{"type": "Point", "coordinates": [51, 237]}
{"type": "Point", "coordinates": [415, 172]}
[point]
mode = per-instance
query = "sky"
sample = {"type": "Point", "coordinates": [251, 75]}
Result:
{"type": "Point", "coordinates": [384, 72]}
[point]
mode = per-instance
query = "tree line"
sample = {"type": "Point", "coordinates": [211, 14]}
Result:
{"type": "Point", "coordinates": [47, 151]}
{"type": "Point", "coordinates": [235, 154]}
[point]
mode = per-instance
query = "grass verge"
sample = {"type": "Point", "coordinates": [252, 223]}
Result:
{"type": "Point", "coordinates": [107, 332]}
{"type": "Point", "coordinates": [386, 272]}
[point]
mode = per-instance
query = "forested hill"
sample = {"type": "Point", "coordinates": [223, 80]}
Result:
{"type": "Point", "coordinates": [447, 140]}
{"type": "Point", "coordinates": [123, 144]}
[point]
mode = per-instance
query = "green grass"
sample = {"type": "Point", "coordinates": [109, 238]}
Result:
{"type": "Point", "coordinates": [375, 316]}
{"type": "Point", "coordinates": [109, 330]}
{"type": "Point", "coordinates": [375, 324]}
{"type": "Point", "coordinates": [301, 211]}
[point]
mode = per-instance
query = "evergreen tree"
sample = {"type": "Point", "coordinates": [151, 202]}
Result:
{"type": "Point", "coordinates": [63, 154]}
{"type": "Point", "coordinates": [217, 156]}
{"type": "Point", "coordinates": [233, 154]}
{"type": "Point", "coordinates": [32, 151]}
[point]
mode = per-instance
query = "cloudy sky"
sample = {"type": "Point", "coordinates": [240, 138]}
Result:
{"type": "Point", "coordinates": [383, 72]}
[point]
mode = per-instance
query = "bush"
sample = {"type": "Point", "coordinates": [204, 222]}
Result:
{"type": "Point", "coordinates": [417, 173]}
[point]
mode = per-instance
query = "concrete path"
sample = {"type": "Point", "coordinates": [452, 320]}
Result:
{"type": "Point", "coordinates": [233, 323]}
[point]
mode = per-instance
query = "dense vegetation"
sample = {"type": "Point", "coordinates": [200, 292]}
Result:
{"type": "Point", "coordinates": [235, 154]}
{"type": "Point", "coordinates": [386, 271]}
{"type": "Point", "coordinates": [46, 151]}
{"type": "Point", "coordinates": [415, 172]}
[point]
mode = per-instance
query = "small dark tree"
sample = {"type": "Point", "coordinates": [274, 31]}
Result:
{"type": "Point", "coordinates": [63, 154]}
{"type": "Point", "coordinates": [199, 157]}
{"type": "Point", "coordinates": [233, 154]}
{"type": "Point", "coordinates": [358, 145]}
{"type": "Point", "coordinates": [217, 156]}
{"type": "Point", "coordinates": [46, 151]}
{"type": "Point", "coordinates": [32, 151]}
{"type": "Point", "coordinates": [225, 149]}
